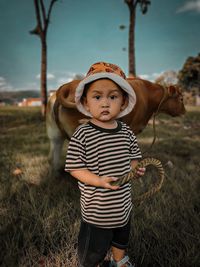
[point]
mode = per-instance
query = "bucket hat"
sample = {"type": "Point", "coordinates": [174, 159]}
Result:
{"type": "Point", "coordinates": [110, 71]}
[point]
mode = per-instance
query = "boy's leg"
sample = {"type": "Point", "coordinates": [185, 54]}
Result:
{"type": "Point", "coordinates": [93, 244]}
{"type": "Point", "coordinates": [120, 242]}
{"type": "Point", "coordinates": [118, 254]}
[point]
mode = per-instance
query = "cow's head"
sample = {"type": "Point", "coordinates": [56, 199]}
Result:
{"type": "Point", "coordinates": [173, 102]}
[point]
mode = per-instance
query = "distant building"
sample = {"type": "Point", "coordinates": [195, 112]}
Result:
{"type": "Point", "coordinates": [30, 102]}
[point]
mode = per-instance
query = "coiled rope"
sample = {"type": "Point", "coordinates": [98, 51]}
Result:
{"type": "Point", "coordinates": [133, 175]}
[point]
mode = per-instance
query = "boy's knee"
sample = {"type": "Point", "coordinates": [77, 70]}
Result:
{"type": "Point", "coordinates": [93, 245]}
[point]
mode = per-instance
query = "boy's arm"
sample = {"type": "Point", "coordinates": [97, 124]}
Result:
{"type": "Point", "coordinates": [87, 177]}
{"type": "Point", "coordinates": [134, 163]}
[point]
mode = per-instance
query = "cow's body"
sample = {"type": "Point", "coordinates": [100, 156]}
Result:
{"type": "Point", "coordinates": [63, 117]}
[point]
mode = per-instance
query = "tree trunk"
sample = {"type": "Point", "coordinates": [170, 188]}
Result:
{"type": "Point", "coordinates": [132, 69]}
{"type": "Point", "coordinates": [43, 80]}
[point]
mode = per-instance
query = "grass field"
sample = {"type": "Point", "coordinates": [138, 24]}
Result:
{"type": "Point", "coordinates": [39, 214]}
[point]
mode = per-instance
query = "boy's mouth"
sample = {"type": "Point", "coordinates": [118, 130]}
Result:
{"type": "Point", "coordinates": [105, 112]}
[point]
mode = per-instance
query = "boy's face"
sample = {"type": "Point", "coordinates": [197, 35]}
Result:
{"type": "Point", "coordinates": [104, 100]}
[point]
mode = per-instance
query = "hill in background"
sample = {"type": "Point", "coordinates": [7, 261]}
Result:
{"type": "Point", "coordinates": [13, 97]}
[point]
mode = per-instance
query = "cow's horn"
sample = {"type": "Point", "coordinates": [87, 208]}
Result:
{"type": "Point", "coordinates": [66, 94]}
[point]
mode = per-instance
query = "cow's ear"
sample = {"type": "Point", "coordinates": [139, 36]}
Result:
{"type": "Point", "coordinates": [172, 90]}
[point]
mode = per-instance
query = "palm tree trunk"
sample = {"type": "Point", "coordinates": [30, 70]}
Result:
{"type": "Point", "coordinates": [43, 80]}
{"type": "Point", "coordinates": [132, 69]}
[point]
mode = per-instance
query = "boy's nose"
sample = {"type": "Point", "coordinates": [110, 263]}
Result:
{"type": "Point", "coordinates": [105, 103]}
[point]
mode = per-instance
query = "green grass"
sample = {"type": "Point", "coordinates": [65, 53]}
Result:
{"type": "Point", "coordinates": [40, 216]}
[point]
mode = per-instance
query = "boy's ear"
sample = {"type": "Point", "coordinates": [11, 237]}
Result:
{"type": "Point", "coordinates": [124, 103]}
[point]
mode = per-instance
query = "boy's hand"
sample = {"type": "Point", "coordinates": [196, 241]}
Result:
{"type": "Point", "coordinates": [105, 182]}
{"type": "Point", "coordinates": [140, 171]}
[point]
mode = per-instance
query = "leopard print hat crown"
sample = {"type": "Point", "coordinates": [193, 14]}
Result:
{"type": "Point", "coordinates": [101, 70]}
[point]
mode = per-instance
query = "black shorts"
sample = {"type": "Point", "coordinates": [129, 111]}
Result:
{"type": "Point", "coordinates": [94, 242]}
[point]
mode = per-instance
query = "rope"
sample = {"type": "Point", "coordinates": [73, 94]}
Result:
{"type": "Point", "coordinates": [148, 161]}
{"type": "Point", "coordinates": [133, 175]}
{"type": "Point", "coordinates": [154, 135]}
{"type": "Point", "coordinates": [164, 97]}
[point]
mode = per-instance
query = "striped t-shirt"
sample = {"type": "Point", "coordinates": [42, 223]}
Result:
{"type": "Point", "coordinates": [104, 152]}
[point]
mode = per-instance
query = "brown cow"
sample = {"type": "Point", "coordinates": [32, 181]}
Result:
{"type": "Point", "coordinates": [63, 117]}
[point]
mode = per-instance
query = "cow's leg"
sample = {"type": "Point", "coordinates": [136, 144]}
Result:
{"type": "Point", "coordinates": [56, 145]}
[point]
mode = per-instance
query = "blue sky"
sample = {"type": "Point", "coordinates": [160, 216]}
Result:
{"type": "Point", "coordinates": [86, 31]}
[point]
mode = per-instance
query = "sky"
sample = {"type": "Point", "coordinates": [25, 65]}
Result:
{"type": "Point", "coordinates": [83, 32]}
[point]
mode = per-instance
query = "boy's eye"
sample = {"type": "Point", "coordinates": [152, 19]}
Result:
{"type": "Point", "coordinates": [113, 97]}
{"type": "Point", "coordinates": [97, 97]}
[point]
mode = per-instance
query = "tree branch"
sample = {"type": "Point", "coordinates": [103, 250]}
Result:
{"type": "Point", "coordinates": [35, 31]}
{"type": "Point", "coordinates": [43, 13]}
{"type": "Point", "coordinates": [37, 12]}
{"type": "Point", "coordinates": [42, 18]}
{"type": "Point", "coordinates": [132, 3]}
{"type": "Point", "coordinates": [136, 2]}
{"type": "Point", "coordinates": [144, 5]}
{"type": "Point", "coordinates": [49, 12]}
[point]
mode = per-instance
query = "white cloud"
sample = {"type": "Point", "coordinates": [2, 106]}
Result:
{"type": "Point", "coordinates": [5, 85]}
{"type": "Point", "coordinates": [70, 73]}
{"type": "Point", "coordinates": [58, 78]}
{"type": "Point", "coordinates": [63, 80]}
{"type": "Point", "coordinates": [168, 77]}
{"type": "Point", "coordinates": [68, 76]}
{"type": "Point", "coordinates": [155, 75]}
{"type": "Point", "coordinates": [190, 5]}
{"type": "Point", "coordinates": [144, 76]}
{"type": "Point", "coordinates": [50, 76]}
{"type": "Point", "coordinates": [150, 77]}
{"type": "Point", "coordinates": [31, 86]}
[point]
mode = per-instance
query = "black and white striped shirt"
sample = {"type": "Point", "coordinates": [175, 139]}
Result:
{"type": "Point", "coordinates": [105, 152]}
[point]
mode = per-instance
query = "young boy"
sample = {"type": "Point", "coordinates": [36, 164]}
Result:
{"type": "Point", "coordinates": [99, 152]}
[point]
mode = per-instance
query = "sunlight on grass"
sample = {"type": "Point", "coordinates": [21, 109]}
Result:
{"type": "Point", "coordinates": [34, 168]}
{"type": "Point", "coordinates": [40, 212]}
